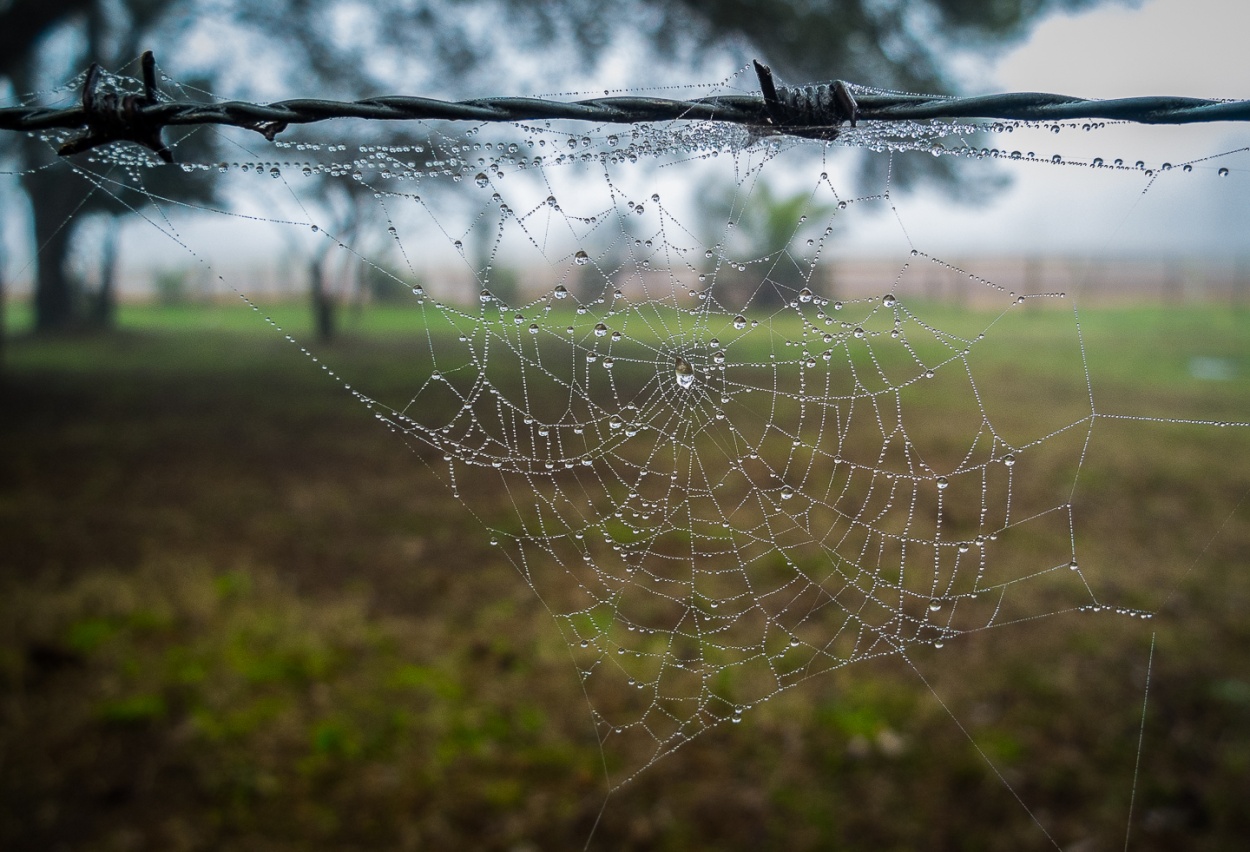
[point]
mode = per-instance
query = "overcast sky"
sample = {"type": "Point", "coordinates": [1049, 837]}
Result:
{"type": "Point", "coordinates": [1162, 47]}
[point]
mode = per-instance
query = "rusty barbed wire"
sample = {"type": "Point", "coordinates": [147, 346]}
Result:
{"type": "Point", "coordinates": [816, 111]}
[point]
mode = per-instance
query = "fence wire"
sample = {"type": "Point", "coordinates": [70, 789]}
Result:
{"type": "Point", "coordinates": [817, 110]}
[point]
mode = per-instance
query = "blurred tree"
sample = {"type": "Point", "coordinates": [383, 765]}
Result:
{"type": "Point", "coordinates": [759, 227]}
{"type": "Point", "coordinates": [349, 207]}
{"type": "Point", "coordinates": [41, 42]}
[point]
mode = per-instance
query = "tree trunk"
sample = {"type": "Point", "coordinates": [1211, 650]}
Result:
{"type": "Point", "coordinates": [55, 297]}
{"type": "Point", "coordinates": [53, 195]}
{"type": "Point", "coordinates": [104, 302]}
{"type": "Point", "coordinates": [323, 304]}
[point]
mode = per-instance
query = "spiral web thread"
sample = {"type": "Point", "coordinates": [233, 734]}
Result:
{"type": "Point", "coordinates": [711, 468]}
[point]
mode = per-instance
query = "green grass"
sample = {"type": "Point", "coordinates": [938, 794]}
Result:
{"type": "Point", "coordinates": [236, 614]}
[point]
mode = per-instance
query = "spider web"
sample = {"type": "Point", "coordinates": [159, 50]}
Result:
{"type": "Point", "coordinates": [712, 458]}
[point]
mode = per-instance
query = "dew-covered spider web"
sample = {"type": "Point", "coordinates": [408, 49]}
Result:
{"type": "Point", "coordinates": [727, 459]}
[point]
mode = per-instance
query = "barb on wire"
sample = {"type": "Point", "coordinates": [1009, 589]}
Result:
{"type": "Point", "coordinates": [113, 118]}
{"type": "Point", "coordinates": [817, 111]}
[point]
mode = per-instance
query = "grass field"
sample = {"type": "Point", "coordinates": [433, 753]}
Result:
{"type": "Point", "coordinates": [237, 614]}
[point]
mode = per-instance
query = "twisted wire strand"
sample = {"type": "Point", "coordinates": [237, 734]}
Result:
{"type": "Point", "coordinates": [738, 109]}
{"type": "Point", "coordinates": [817, 110]}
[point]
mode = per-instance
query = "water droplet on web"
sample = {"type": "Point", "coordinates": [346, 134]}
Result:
{"type": "Point", "coordinates": [1009, 460]}
{"type": "Point", "coordinates": [485, 296]}
{"type": "Point", "coordinates": [859, 332]}
{"type": "Point", "coordinates": [1223, 172]}
{"type": "Point", "coordinates": [600, 329]}
{"type": "Point", "coordinates": [561, 292]}
{"type": "Point", "coordinates": [805, 295]}
{"type": "Point", "coordinates": [581, 258]}
{"type": "Point", "coordinates": [615, 422]}
{"type": "Point", "coordinates": [740, 321]}
{"type": "Point", "coordinates": [935, 606]}
{"type": "Point", "coordinates": [718, 358]}
{"type": "Point", "coordinates": [942, 483]}
{"type": "Point", "coordinates": [787, 492]}
{"type": "Point", "coordinates": [608, 363]}
{"type": "Point", "coordinates": [533, 328]}
{"type": "Point", "coordinates": [889, 301]}
{"type": "Point", "coordinates": [481, 180]}
{"type": "Point", "coordinates": [1072, 566]}
{"type": "Point", "coordinates": [551, 201]}
{"type": "Point", "coordinates": [683, 371]}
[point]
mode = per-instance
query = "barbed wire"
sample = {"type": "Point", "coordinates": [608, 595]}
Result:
{"type": "Point", "coordinates": [817, 111]}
